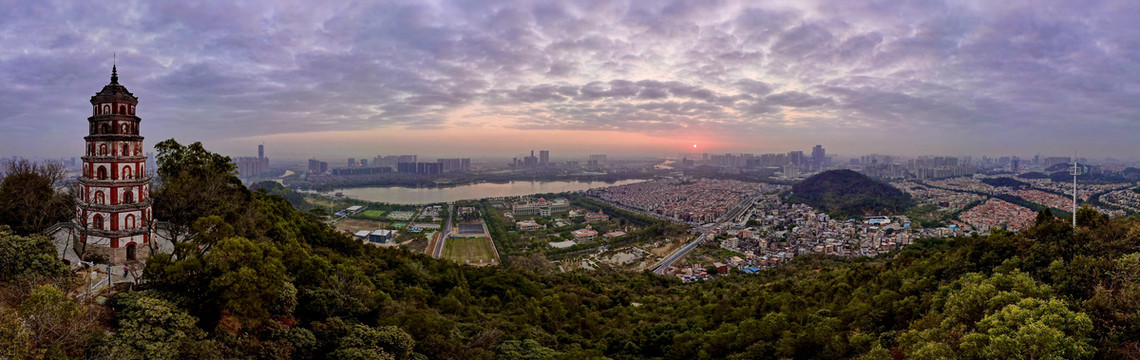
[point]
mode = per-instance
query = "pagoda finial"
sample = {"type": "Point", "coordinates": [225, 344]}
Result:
{"type": "Point", "coordinates": [114, 71]}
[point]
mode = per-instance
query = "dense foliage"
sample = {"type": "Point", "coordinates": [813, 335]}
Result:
{"type": "Point", "coordinates": [843, 193]}
{"type": "Point", "coordinates": [1033, 175]}
{"type": "Point", "coordinates": [29, 202]}
{"type": "Point", "coordinates": [1005, 182]}
{"type": "Point", "coordinates": [283, 285]}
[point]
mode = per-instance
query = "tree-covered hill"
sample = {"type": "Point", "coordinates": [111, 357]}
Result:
{"type": "Point", "coordinates": [844, 193]}
{"type": "Point", "coordinates": [1033, 175]}
{"type": "Point", "coordinates": [262, 280]}
{"type": "Point", "coordinates": [1005, 182]}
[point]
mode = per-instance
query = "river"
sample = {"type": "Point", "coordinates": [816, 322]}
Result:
{"type": "Point", "coordinates": [405, 195]}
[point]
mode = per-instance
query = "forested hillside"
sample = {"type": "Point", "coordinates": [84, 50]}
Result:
{"type": "Point", "coordinates": [843, 193]}
{"type": "Point", "coordinates": [262, 280]}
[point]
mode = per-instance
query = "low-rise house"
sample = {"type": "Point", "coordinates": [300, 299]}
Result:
{"type": "Point", "coordinates": [583, 235]}
{"type": "Point", "coordinates": [598, 216]}
{"type": "Point", "coordinates": [529, 224]}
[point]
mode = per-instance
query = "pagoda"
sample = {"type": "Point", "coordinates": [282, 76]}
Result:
{"type": "Point", "coordinates": [113, 208]}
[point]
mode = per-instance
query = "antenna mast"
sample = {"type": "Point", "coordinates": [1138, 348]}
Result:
{"type": "Point", "coordinates": [1075, 171]}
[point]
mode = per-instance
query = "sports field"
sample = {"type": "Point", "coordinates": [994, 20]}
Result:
{"type": "Point", "coordinates": [471, 229]}
{"type": "Point", "coordinates": [376, 214]}
{"type": "Point", "coordinates": [401, 215]}
{"type": "Point", "coordinates": [475, 249]}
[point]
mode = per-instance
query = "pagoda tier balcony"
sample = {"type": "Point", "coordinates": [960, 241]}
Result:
{"type": "Point", "coordinates": [105, 117]}
{"type": "Point", "coordinates": [113, 137]}
{"type": "Point", "coordinates": [111, 233]}
{"type": "Point", "coordinates": [139, 205]}
{"type": "Point", "coordinates": [115, 183]}
{"type": "Point", "coordinates": [119, 159]}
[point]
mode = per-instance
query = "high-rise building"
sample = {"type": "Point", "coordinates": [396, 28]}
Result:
{"type": "Point", "coordinates": [530, 161]}
{"type": "Point", "coordinates": [818, 156]}
{"type": "Point", "coordinates": [351, 162]}
{"type": "Point", "coordinates": [796, 157]}
{"type": "Point", "coordinates": [113, 208]}
{"type": "Point", "coordinates": [453, 165]}
{"type": "Point", "coordinates": [406, 167]}
{"type": "Point", "coordinates": [249, 166]}
{"type": "Point", "coordinates": [426, 168]}
{"type": "Point", "coordinates": [317, 167]}
{"type": "Point", "coordinates": [544, 157]}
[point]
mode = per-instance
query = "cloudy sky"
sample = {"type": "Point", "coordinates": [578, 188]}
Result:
{"type": "Point", "coordinates": [497, 78]}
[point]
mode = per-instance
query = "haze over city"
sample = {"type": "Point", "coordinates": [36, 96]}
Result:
{"type": "Point", "coordinates": [497, 78]}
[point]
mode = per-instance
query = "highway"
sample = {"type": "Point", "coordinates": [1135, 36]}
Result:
{"type": "Point", "coordinates": [659, 269]}
{"type": "Point", "coordinates": [742, 207]}
{"type": "Point", "coordinates": [438, 252]}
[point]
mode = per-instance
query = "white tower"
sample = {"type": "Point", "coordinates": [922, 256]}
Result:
{"type": "Point", "coordinates": [1076, 170]}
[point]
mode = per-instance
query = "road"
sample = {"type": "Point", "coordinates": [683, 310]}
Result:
{"type": "Point", "coordinates": [659, 269]}
{"type": "Point", "coordinates": [438, 252]}
{"type": "Point", "coordinates": [740, 209]}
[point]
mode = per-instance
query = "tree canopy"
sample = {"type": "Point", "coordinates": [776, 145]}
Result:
{"type": "Point", "coordinates": [272, 282]}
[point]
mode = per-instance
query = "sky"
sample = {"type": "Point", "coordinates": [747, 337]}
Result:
{"type": "Point", "coordinates": [498, 78]}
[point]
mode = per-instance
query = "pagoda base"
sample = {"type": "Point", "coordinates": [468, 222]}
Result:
{"type": "Point", "coordinates": [126, 250]}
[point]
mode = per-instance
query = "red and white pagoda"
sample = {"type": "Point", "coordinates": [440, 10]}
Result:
{"type": "Point", "coordinates": [113, 211]}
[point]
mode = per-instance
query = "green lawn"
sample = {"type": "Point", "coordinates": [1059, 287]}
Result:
{"type": "Point", "coordinates": [474, 249]}
{"type": "Point", "coordinates": [401, 215]}
{"type": "Point", "coordinates": [375, 214]}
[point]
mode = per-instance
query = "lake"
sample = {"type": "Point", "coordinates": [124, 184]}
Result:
{"type": "Point", "coordinates": [405, 195]}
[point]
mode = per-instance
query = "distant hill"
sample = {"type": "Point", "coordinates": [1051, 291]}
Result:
{"type": "Point", "coordinates": [1094, 176]}
{"type": "Point", "coordinates": [1005, 182]}
{"type": "Point", "coordinates": [848, 193]}
{"type": "Point", "coordinates": [1034, 175]}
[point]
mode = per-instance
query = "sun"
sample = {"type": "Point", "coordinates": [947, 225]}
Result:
{"type": "Point", "coordinates": [694, 146]}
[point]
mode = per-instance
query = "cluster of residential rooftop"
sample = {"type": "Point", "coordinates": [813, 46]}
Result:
{"type": "Point", "coordinates": [780, 231]}
{"type": "Point", "coordinates": [995, 213]}
{"type": "Point", "coordinates": [1126, 198]}
{"type": "Point", "coordinates": [700, 201]}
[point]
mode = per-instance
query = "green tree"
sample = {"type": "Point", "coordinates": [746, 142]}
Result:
{"type": "Point", "coordinates": [366, 342]}
{"type": "Point", "coordinates": [28, 256]}
{"type": "Point", "coordinates": [249, 277]}
{"type": "Point", "coordinates": [527, 349]}
{"type": "Point", "coordinates": [1089, 217]}
{"type": "Point", "coordinates": [196, 183]}
{"type": "Point", "coordinates": [1043, 216]}
{"type": "Point", "coordinates": [152, 328]}
{"type": "Point", "coordinates": [15, 339]}
{"type": "Point", "coordinates": [1031, 329]}
{"type": "Point", "coordinates": [29, 202]}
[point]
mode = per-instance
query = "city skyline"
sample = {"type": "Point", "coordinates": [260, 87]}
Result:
{"type": "Point", "coordinates": [579, 78]}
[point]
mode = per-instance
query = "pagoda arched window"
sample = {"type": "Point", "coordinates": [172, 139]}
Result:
{"type": "Point", "coordinates": [126, 149]}
{"type": "Point", "coordinates": [126, 172]}
{"type": "Point", "coordinates": [129, 222]}
{"type": "Point", "coordinates": [122, 109]}
{"type": "Point", "coordinates": [132, 109]}
{"type": "Point", "coordinates": [128, 197]}
{"type": "Point", "coordinates": [102, 172]}
{"type": "Point", "coordinates": [103, 150]}
{"type": "Point", "coordinates": [105, 129]}
{"type": "Point", "coordinates": [106, 109]}
{"type": "Point", "coordinates": [94, 109]}
{"type": "Point", "coordinates": [126, 129]}
{"type": "Point", "coordinates": [97, 222]}
{"type": "Point", "coordinates": [100, 198]}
